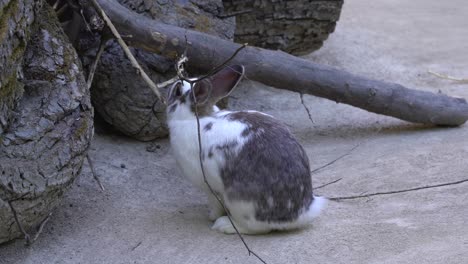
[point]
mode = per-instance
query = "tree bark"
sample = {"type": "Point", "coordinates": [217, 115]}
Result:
{"type": "Point", "coordinates": [43, 144]}
{"type": "Point", "coordinates": [284, 71]}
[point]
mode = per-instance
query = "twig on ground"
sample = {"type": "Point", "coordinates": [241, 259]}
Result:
{"type": "Point", "coordinates": [95, 176]}
{"type": "Point", "coordinates": [335, 160]}
{"type": "Point", "coordinates": [137, 245]}
{"type": "Point", "coordinates": [326, 184]}
{"type": "Point", "coordinates": [396, 191]}
{"type": "Point", "coordinates": [41, 226]}
{"type": "Point", "coordinates": [448, 77]}
{"type": "Point", "coordinates": [306, 108]}
{"type": "Point", "coordinates": [127, 51]}
{"type": "Point", "coordinates": [27, 238]}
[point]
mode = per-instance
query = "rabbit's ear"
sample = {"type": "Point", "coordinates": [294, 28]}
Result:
{"type": "Point", "coordinates": [202, 91]}
{"type": "Point", "coordinates": [225, 80]}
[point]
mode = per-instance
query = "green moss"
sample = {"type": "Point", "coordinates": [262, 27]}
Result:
{"type": "Point", "coordinates": [8, 11]}
{"type": "Point", "coordinates": [9, 88]}
{"type": "Point", "coordinates": [81, 129]}
{"type": "Point", "coordinates": [203, 24]}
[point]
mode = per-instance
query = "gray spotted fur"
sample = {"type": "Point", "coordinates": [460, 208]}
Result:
{"type": "Point", "coordinates": [271, 169]}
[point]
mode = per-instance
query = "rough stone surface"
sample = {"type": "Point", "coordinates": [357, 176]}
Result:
{"type": "Point", "coordinates": [119, 95]}
{"type": "Point", "coordinates": [297, 27]}
{"type": "Point", "coordinates": [151, 214]}
{"type": "Point", "coordinates": [44, 142]}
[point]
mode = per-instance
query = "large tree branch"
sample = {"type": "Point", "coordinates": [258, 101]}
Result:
{"type": "Point", "coordinates": [284, 71]}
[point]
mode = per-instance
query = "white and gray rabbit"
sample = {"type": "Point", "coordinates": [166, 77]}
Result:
{"type": "Point", "coordinates": [251, 160]}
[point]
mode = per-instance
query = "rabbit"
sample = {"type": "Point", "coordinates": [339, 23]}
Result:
{"type": "Point", "coordinates": [251, 160]}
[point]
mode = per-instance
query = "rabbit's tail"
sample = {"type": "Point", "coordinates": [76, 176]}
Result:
{"type": "Point", "coordinates": [318, 204]}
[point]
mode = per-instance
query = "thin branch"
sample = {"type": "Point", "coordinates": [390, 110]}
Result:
{"type": "Point", "coordinates": [285, 71]}
{"type": "Point", "coordinates": [55, 5]}
{"type": "Point", "coordinates": [92, 70]}
{"type": "Point", "coordinates": [306, 108]}
{"type": "Point", "coordinates": [84, 20]}
{"type": "Point", "coordinates": [335, 160]}
{"type": "Point", "coordinates": [127, 51]}
{"type": "Point", "coordinates": [326, 184]}
{"type": "Point", "coordinates": [397, 191]}
{"type": "Point", "coordinates": [27, 238]}
{"type": "Point", "coordinates": [137, 245]}
{"type": "Point", "coordinates": [95, 176]}
{"type": "Point", "coordinates": [209, 186]}
{"type": "Point", "coordinates": [180, 72]}
{"type": "Point", "coordinates": [215, 69]}
{"type": "Point", "coordinates": [222, 65]}
{"type": "Point", "coordinates": [62, 10]}
{"type": "Point", "coordinates": [41, 226]}
{"type": "Point", "coordinates": [181, 76]}
{"type": "Point", "coordinates": [448, 77]}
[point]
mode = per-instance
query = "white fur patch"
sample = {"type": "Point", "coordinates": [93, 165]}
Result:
{"type": "Point", "coordinates": [184, 141]}
{"type": "Point", "coordinates": [243, 214]}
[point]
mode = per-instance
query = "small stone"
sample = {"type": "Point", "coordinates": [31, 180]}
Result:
{"type": "Point", "coordinates": [152, 147]}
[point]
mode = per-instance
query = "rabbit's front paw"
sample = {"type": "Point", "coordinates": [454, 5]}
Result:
{"type": "Point", "coordinates": [223, 225]}
{"type": "Point", "coordinates": [216, 208]}
{"type": "Point", "coordinates": [215, 213]}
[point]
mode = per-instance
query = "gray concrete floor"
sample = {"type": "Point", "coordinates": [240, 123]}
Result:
{"type": "Point", "coordinates": [150, 214]}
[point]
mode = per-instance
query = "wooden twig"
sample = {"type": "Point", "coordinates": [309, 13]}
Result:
{"type": "Point", "coordinates": [62, 10]}
{"type": "Point", "coordinates": [137, 245]}
{"type": "Point", "coordinates": [127, 51]}
{"type": "Point", "coordinates": [27, 238]}
{"type": "Point", "coordinates": [284, 71]}
{"type": "Point", "coordinates": [214, 70]}
{"type": "Point", "coordinates": [92, 70]}
{"type": "Point", "coordinates": [55, 5]}
{"type": "Point", "coordinates": [41, 226]}
{"type": "Point", "coordinates": [339, 198]}
{"type": "Point", "coordinates": [180, 72]}
{"type": "Point", "coordinates": [448, 77]}
{"type": "Point", "coordinates": [250, 252]}
{"type": "Point", "coordinates": [326, 184]}
{"type": "Point", "coordinates": [95, 176]}
{"type": "Point", "coordinates": [306, 108]}
{"type": "Point", "coordinates": [335, 160]}
{"type": "Point", "coordinates": [222, 65]}
{"type": "Point", "coordinates": [181, 76]}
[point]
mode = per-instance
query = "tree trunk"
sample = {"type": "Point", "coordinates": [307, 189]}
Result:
{"type": "Point", "coordinates": [49, 123]}
{"type": "Point", "coordinates": [284, 71]}
{"type": "Point", "coordinates": [295, 26]}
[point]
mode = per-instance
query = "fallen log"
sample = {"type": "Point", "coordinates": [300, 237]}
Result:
{"type": "Point", "coordinates": [284, 71]}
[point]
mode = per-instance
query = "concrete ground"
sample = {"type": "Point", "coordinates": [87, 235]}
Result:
{"type": "Point", "coordinates": [150, 214]}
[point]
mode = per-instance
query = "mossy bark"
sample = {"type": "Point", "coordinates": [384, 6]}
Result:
{"type": "Point", "coordinates": [47, 134]}
{"type": "Point", "coordinates": [16, 17]}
